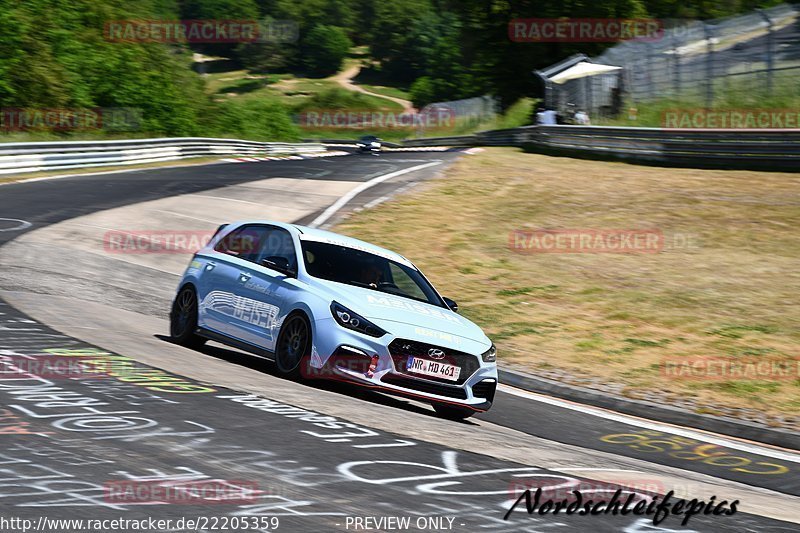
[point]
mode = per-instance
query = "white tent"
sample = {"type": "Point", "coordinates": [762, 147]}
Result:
{"type": "Point", "coordinates": [582, 70]}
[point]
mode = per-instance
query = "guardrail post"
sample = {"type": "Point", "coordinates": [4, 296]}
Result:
{"type": "Point", "coordinates": [651, 92]}
{"type": "Point", "coordinates": [676, 53]}
{"type": "Point", "coordinates": [709, 34]}
{"type": "Point", "coordinates": [587, 96]}
{"type": "Point", "coordinates": [770, 48]}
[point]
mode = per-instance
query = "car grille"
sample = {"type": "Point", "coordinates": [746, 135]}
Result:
{"type": "Point", "coordinates": [485, 389]}
{"type": "Point", "coordinates": [402, 349]}
{"type": "Point", "coordinates": [425, 386]}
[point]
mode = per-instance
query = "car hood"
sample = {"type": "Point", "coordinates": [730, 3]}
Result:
{"type": "Point", "coordinates": [396, 314]}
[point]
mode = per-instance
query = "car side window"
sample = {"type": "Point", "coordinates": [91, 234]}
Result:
{"type": "Point", "coordinates": [245, 242]}
{"type": "Point", "coordinates": [405, 283]}
{"type": "Point", "coordinates": [278, 242]}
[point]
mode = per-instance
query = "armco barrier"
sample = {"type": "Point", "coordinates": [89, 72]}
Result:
{"type": "Point", "coordinates": [772, 149]}
{"type": "Point", "coordinates": [350, 143]}
{"type": "Point", "coordinates": [17, 158]}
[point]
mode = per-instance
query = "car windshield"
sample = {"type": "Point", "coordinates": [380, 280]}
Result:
{"type": "Point", "coordinates": [369, 139]}
{"type": "Point", "coordinates": [360, 268]}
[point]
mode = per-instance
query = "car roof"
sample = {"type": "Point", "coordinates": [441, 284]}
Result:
{"type": "Point", "coordinates": [318, 235]}
{"type": "Point", "coordinates": [314, 234]}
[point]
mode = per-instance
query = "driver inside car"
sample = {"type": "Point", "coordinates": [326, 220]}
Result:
{"type": "Point", "coordinates": [370, 274]}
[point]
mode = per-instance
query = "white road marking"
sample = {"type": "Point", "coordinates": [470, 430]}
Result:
{"type": "Point", "coordinates": [22, 224]}
{"type": "Point", "coordinates": [341, 202]}
{"type": "Point", "coordinates": [649, 424]}
{"type": "Point", "coordinates": [580, 469]}
{"type": "Point", "coordinates": [187, 216]}
{"type": "Point", "coordinates": [227, 199]}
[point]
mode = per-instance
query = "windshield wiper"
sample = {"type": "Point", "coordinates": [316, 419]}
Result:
{"type": "Point", "coordinates": [378, 289]}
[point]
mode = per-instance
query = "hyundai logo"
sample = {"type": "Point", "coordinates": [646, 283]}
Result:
{"type": "Point", "coordinates": [436, 353]}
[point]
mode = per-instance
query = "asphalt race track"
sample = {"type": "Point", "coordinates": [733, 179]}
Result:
{"type": "Point", "coordinates": [305, 456]}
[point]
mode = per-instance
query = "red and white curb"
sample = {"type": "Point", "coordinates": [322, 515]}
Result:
{"type": "Point", "coordinates": [253, 159]}
{"type": "Point", "coordinates": [419, 149]}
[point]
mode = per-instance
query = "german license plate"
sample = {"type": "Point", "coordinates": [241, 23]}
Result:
{"type": "Point", "coordinates": [433, 368]}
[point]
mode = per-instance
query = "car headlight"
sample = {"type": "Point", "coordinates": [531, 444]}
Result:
{"type": "Point", "coordinates": [350, 320]}
{"type": "Point", "coordinates": [490, 355]}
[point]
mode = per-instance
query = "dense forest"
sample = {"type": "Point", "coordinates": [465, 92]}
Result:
{"type": "Point", "coordinates": [53, 53]}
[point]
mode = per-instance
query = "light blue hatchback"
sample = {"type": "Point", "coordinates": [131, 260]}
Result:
{"type": "Point", "coordinates": [322, 305]}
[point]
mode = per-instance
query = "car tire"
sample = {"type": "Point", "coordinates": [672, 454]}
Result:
{"type": "Point", "coordinates": [183, 319]}
{"type": "Point", "coordinates": [293, 348]}
{"type": "Point", "coordinates": [452, 413]}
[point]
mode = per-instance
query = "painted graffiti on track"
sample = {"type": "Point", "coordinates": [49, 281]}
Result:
{"type": "Point", "coordinates": [135, 442]}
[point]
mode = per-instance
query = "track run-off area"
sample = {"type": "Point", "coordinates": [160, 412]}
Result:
{"type": "Point", "coordinates": [310, 456]}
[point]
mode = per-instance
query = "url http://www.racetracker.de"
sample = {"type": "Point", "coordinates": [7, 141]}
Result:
{"type": "Point", "coordinates": [200, 523]}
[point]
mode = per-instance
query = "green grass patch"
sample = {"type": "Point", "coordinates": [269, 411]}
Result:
{"type": "Point", "coordinates": [526, 290]}
{"type": "Point", "coordinates": [737, 332]}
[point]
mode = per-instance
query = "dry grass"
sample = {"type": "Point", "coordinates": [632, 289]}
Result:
{"type": "Point", "coordinates": [733, 292]}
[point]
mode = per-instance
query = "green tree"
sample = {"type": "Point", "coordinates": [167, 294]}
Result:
{"type": "Point", "coordinates": [220, 9]}
{"type": "Point", "coordinates": [54, 54]}
{"type": "Point", "coordinates": [324, 49]}
{"type": "Point", "coordinates": [422, 92]}
{"type": "Point", "coordinates": [263, 120]}
{"type": "Point", "coordinates": [391, 42]}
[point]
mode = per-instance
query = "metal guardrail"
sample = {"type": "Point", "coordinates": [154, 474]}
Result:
{"type": "Point", "coordinates": [773, 149]}
{"type": "Point", "coordinates": [17, 158]}
{"type": "Point", "coordinates": [350, 143]}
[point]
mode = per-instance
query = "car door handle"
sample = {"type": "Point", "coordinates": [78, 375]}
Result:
{"type": "Point", "coordinates": [210, 266]}
{"type": "Point", "coordinates": [244, 277]}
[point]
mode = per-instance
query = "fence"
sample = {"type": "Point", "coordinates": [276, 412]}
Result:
{"type": "Point", "coordinates": [756, 149]}
{"type": "Point", "coordinates": [467, 113]}
{"type": "Point", "coordinates": [737, 61]}
{"type": "Point", "coordinates": [39, 156]}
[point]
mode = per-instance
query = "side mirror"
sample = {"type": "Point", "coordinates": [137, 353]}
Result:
{"type": "Point", "coordinates": [279, 264]}
{"type": "Point", "coordinates": [451, 304]}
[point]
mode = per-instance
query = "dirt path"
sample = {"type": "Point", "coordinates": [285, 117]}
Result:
{"type": "Point", "coordinates": [345, 79]}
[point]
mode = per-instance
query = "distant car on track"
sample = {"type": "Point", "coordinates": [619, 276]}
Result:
{"type": "Point", "coordinates": [322, 305]}
{"type": "Point", "coordinates": [369, 144]}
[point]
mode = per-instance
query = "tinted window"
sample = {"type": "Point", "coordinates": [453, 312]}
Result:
{"type": "Point", "coordinates": [363, 269]}
{"type": "Point", "coordinates": [256, 243]}
{"type": "Point", "coordinates": [277, 242]}
{"type": "Point", "coordinates": [244, 242]}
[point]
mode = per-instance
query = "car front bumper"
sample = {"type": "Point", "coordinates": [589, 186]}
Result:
{"type": "Point", "coordinates": [378, 364]}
